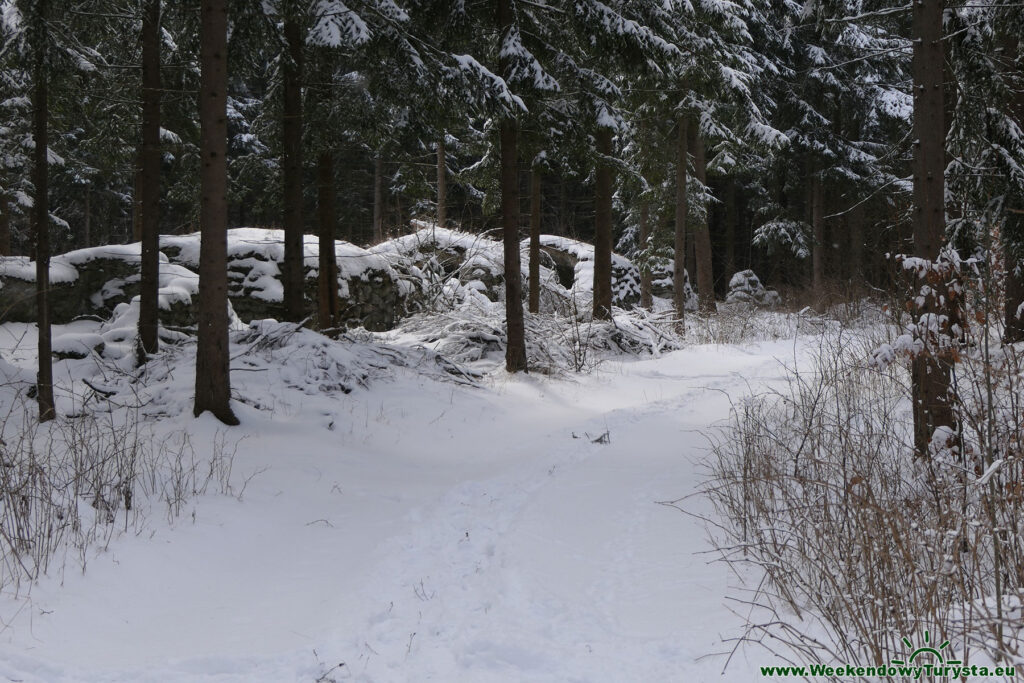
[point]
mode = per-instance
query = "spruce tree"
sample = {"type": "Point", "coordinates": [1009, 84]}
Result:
{"type": "Point", "coordinates": [213, 382]}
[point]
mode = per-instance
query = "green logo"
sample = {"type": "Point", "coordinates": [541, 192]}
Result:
{"type": "Point", "coordinates": [927, 649]}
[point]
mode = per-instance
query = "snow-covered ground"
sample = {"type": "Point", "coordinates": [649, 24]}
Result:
{"type": "Point", "coordinates": [417, 529]}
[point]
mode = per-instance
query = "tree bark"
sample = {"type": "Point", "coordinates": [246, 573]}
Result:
{"type": "Point", "coordinates": [137, 197]}
{"type": "Point", "coordinates": [149, 183]}
{"type": "Point", "coordinates": [535, 198]}
{"type": "Point", "coordinates": [87, 230]}
{"type": "Point", "coordinates": [562, 228]}
{"type": "Point", "coordinates": [1013, 231]}
{"type": "Point", "coordinates": [1013, 313]}
{"type": "Point", "coordinates": [817, 238]}
{"type": "Point", "coordinates": [442, 184]}
{"type": "Point", "coordinates": [378, 200]}
{"type": "Point", "coordinates": [702, 235]}
{"type": "Point", "coordinates": [930, 372]}
{"type": "Point", "coordinates": [731, 224]}
{"type": "Point", "coordinates": [515, 349]}
{"type": "Point", "coordinates": [646, 296]}
{"type": "Point", "coordinates": [5, 226]}
{"type": "Point", "coordinates": [682, 210]}
{"type": "Point", "coordinates": [328, 265]}
{"type": "Point", "coordinates": [294, 272]}
{"type": "Point", "coordinates": [603, 226]}
{"type": "Point", "coordinates": [213, 387]}
{"type": "Point", "coordinates": [855, 218]}
{"type": "Point", "coordinates": [41, 215]}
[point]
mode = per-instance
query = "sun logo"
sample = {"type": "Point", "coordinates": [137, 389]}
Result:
{"type": "Point", "coordinates": [926, 649]}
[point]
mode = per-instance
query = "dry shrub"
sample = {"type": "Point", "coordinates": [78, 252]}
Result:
{"type": "Point", "coordinates": [860, 543]}
{"type": "Point", "coordinates": [68, 487]}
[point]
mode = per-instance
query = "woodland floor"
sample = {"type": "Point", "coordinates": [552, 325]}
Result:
{"type": "Point", "coordinates": [416, 530]}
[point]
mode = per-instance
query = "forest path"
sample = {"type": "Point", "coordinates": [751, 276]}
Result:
{"type": "Point", "coordinates": [419, 531]}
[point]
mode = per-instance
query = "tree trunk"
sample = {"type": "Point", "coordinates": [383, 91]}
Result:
{"type": "Point", "coordinates": [817, 239]}
{"type": "Point", "coordinates": [682, 209]}
{"type": "Point", "coordinates": [646, 296]}
{"type": "Point", "coordinates": [930, 373]}
{"type": "Point", "coordinates": [149, 183]}
{"type": "Point", "coordinates": [5, 225]}
{"type": "Point", "coordinates": [1013, 233]}
{"type": "Point", "coordinates": [213, 386]}
{"type": "Point", "coordinates": [41, 215]}
{"type": "Point", "coordinates": [732, 219]}
{"type": "Point", "coordinates": [1013, 314]}
{"type": "Point", "coordinates": [328, 266]}
{"type": "Point", "coordinates": [442, 185]}
{"type": "Point", "coordinates": [137, 197]}
{"type": "Point", "coordinates": [294, 272]}
{"type": "Point", "coordinates": [87, 230]}
{"type": "Point", "coordinates": [378, 200]}
{"type": "Point", "coordinates": [603, 226]}
{"type": "Point", "coordinates": [855, 218]}
{"type": "Point", "coordinates": [535, 239]}
{"type": "Point", "coordinates": [515, 349]}
{"type": "Point", "coordinates": [702, 235]}
{"type": "Point", "coordinates": [563, 208]}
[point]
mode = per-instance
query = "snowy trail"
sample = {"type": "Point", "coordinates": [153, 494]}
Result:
{"type": "Point", "coordinates": [432, 533]}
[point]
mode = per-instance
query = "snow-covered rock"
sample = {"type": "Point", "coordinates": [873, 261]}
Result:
{"type": "Point", "coordinates": [746, 288]}
{"type": "Point", "coordinates": [574, 263]}
{"type": "Point", "coordinates": [437, 263]}
{"type": "Point", "coordinates": [77, 345]}
{"type": "Point", "coordinates": [368, 287]}
{"type": "Point", "coordinates": [662, 270]}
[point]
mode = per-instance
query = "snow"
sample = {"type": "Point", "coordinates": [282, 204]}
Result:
{"type": "Point", "coordinates": [177, 285]}
{"type": "Point", "coordinates": [260, 252]}
{"type": "Point", "coordinates": [336, 25]}
{"type": "Point", "coordinates": [585, 254]}
{"type": "Point", "coordinates": [23, 268]}
{"type": "Point", "coordinates": [130, 253]}
{"type": "Point", "coordinates": [410, 523]}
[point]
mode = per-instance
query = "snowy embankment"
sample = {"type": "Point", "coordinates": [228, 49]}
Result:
{"type": "Point", "coordinates": [413, 529]}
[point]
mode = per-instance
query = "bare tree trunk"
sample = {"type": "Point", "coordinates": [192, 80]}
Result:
{"type": "Point", "coordinates": [5, 225]}
{"type": "Point", "coordinates": [535, 239]}
{"type": "Point", "coordinates": [1013, 235]}
{"type": "Point", "coordinates": [137, 198]}
{"type": "Point", "coordinates": [328, 271]}
{"type": "Point", "coordinates": [731, 223]}
{"type": "Point", "coordinates": [442, 184]}
{"type": "Point", "coordinates": [930, 374]}
{"type": "Point", "coordinates": [818, 239]}
{"type": "Point", "coordinates": [682, 209]}
{"type": "Point", "coordinates": [378, 200]}
{"type": "Point", "coordinates": [40, 110]}
{"type": "Point", "coordinates": [646, 296]}
{"type": "Point", "coordinates": [855, 219]}
{"type": "Point", "coordinates": [563, 208]}
{"type": "Point", "coordinates": [294, 271]}
{"type": "Point", "coordinates": [702, 235]}
{"type": "Point", "coordinates": [87, 230]}
{"type": "Point", "coordinates": [603, 226]}
{"type": "Point", "coordinates": [149, 183]}
{"type": "Point", "coordinates": [515, 349]}
{"type": "Point", "coordinates": [1013, 314]}
{"type": "Point", "coordinates": [213, 381]}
